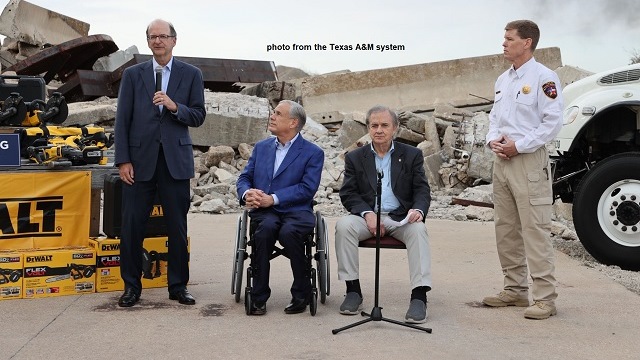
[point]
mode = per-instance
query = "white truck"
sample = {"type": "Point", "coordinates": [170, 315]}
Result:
{"type": "Point", "coordinates": [596, 164]}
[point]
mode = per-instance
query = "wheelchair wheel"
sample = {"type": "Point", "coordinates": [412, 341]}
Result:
{"type": "Point", "coordinates": [247, 301]}
{"type": "Point", "coordinates": [240, 254]}
{"type": "Point", "coordinates": [247, 293]}
{"type": "Point", "coordinates": [313, 302]}
{"type": "Point", "coordinates": [322, 257]}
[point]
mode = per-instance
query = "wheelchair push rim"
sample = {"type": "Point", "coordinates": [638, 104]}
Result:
{"type": "Point", "coordinates": [322, 257]}
{"type": "Point", "coordinates": [240, 255]}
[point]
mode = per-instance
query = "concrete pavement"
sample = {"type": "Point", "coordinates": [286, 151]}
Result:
{"type": "Point", "coordinates": [597, 318]}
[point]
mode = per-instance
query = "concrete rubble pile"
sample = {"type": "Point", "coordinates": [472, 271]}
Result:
{"type": "Point", "coordinates": [443, 110]}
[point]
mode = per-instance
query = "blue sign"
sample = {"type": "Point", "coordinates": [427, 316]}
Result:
{"type": "Point", "coordinates": [9, 150]}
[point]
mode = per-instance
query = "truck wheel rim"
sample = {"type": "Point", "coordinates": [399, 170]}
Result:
{"type": "Point", "coordinates": [619, 212]}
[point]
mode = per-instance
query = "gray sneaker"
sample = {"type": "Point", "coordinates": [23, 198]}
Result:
{"type": "Point", "coordinates": [352, 304]}
{"type": "Point", "coordinates": [417, 313]}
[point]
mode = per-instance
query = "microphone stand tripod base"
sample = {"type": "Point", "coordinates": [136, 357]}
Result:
{"type": "Point", "coordinates": [376, 315]}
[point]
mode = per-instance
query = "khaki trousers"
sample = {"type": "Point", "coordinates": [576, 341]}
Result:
{"type": "Point", "coordinates": [523, 198]}
{"type": "Point", "coordinates": [351, 229]}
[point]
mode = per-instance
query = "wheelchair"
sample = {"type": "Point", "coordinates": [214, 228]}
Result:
{"type": "Point", "coordinates": [319, 277]}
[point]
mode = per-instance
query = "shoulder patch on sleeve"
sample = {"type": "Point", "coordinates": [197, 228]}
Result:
{"type": "Point", "coordinates": [550, 89]}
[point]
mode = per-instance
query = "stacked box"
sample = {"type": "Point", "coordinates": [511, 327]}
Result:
{"type": "Point", "coordinates": [57, 272]}
{"type": "Point", "coordinates": [154, 263]}
{"type": "Point", "coordinates": [11, 273]}
{"type": "Point", "coordinates": [107, 264]}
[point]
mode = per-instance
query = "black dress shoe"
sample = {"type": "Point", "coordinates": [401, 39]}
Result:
{"type": "Point", "coordinates": [296, 306]}
{"type": "Point", "coordinates": [183, 297]}
{"type": "Point", "coordinates": [129, 298]}
{"type": "Point", "coordinates": [258, 308]}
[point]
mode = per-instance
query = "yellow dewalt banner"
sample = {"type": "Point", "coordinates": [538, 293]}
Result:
{"type": "Point", "coordinates": [44, 209]}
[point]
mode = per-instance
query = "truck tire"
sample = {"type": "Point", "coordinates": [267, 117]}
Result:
{"type": "Point", "coordinates": [606, 211]}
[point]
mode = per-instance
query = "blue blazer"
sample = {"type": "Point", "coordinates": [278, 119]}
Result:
{"type": "Point", "coordinates": [297, 179]}
{"type": "Point", "coordinates": [140, 126]}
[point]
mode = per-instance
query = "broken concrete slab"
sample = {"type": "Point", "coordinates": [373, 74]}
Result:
{"type": "Point", "coordinates": [455, 81]}
{"type": "Point", "coordinates": [328, 117]}
{"type": "Point", "coordinates": [363, 141]}
{"type": "Point", "coordinates": [350, 132]}
{"type": "Point", "coordinates": [449, 141]}
{"type": "Point", "coordinates": [431, 133]}
{"type": "Point", "coordinates": [479, 213]}
{"type": "Point", "coordinates": [471, 141]}
{"type": "Point", "coordinates": [232, 119]}
{"type": "Point", "coordinates": [286, 73]}
{"type": "Point", "coordinates": [274, 91]}
{"type": "Point", "coordinates": [569, 74]}
{"type": "Point", "coordinates": [99, 111]}
{"type": "Point", "coordinates": [115, 60]}
{"type": "Point", "coordinates": [313, 129]}
{"type": "Point", "coordinates": [432, 164]}
{"type": "Point", "coordinates": [245, 150]}
{"type": "Point", "coordinates": [428, 148]}
{"type": "Point", "coordinates": [411, 121]}
{"type": "Point", "coordinates": [35, 25]}
{"type": "Point", "coordinates": [216, 154]}
{"type": "Point", "coordinates": [563, 211]}
{"type": "Point", "coordinates": [409, 137]}
{"type": "Point", "coordinates": [481, 195]}
{"type": "Point", "coordinates": [6, 59]}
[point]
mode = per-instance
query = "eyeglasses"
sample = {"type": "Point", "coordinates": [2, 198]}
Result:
{"type": "Point", "coordinates": [162, 37]}
{"type": "Point", "coordinates": [279, 114]}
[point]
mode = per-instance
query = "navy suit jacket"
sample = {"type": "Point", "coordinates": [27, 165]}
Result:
{"type": "Point", "coordinates": [297, 179]}
{"type": "Point", "coordinates": [408, 181]}
{"type": "Point", "coordinates": [140, 126]}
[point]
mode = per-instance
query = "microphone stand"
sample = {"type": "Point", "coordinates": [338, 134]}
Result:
{"type": "Point", "coordinates": [376, 312]}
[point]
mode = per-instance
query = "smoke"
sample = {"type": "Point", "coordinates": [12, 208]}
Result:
{"type": "Point", "coordinates": [590, 17]}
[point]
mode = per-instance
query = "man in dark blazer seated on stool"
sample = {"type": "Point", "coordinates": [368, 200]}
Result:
{"type": "Point", "coordinates": [278, 185]}
{"type": "Point", "coordinates": [154, 153]}
{"type": "Point", "coordinates": [405, 195]}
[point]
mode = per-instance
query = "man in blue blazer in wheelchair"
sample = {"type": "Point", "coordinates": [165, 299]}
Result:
{"type": "Point", "coordinates": [277, 186]}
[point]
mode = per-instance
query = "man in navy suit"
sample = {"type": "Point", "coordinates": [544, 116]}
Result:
{"type": "Point", "coordinates": [278, 185]}
{"type": "Point", "coordinates": [405, 195]}
{"type": "Point", "coordinates": [154, 153]}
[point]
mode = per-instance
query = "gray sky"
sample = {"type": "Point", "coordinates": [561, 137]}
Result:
{"type": "Point", "coordinates": [595, 35]}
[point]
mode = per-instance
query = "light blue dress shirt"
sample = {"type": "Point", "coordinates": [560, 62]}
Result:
{"type": "Point", "coordinates": [166, 73]}
{"type": "Point", "coordinates": [281, 152]}
{"type": "Point", "coordinates": [389, 201]}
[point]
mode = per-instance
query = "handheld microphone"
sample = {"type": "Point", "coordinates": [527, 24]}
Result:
{"type": "Point", "coordinates": [158, 78]}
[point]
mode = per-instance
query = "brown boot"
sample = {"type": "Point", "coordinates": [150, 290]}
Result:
{"type": "Point", "coordinates": [540, 310]}
{"type": "Point", "coordinates": [505, 299]}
